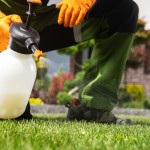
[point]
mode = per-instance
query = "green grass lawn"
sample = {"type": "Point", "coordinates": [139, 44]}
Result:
{"type": "Point", "coordinates": [46, 132]}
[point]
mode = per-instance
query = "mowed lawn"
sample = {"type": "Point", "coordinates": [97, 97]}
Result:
{"type": "Point", "coordinates": [46, 132]}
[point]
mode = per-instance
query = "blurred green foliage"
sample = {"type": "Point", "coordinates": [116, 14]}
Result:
{"type": "Point", "coordinates": [142, 35]}
{"type": "Point", "coordinates": [123, 96]}
{"type": "Point", "coordinates": [42, 80]}
{"type": "Point", "coordinates": [132, 96]}
{"type": "Point", "coordinates": [137, 91]}
{"type": "Point", "coordinates": [70, 84]}
{"type": "Point", "coordinates": [63, 97]}
{"type": "Point", "coordinates": [86, 65]}
{"type": "Point", "coordinates": [76, 48]}
{"type": "Point", "coordinates": [43, 84]}
{"type": "Point", "coordinates": [35, 101]}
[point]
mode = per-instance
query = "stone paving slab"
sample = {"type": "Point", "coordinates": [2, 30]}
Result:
{"type": "Point", "coordinates": [132, 112]}
{"type": "Point", "coordinates": [61, 109]}
{"type": "Point", "coordinates": [46, 109]}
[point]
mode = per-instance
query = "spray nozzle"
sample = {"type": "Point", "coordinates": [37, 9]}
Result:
{"type": "Point", "coordinates": [32, 46]}
{"type": "Point", "coordinates": [38, 53]}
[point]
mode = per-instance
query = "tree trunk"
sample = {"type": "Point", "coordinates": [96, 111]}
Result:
{"type": "Point", "coordinates": [76, 63]}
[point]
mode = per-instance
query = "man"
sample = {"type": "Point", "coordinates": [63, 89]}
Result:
{"type": "Point", "coordinates": [112, 23]}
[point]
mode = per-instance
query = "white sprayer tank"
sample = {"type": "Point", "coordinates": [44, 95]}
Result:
{"type": "Point", "coordinates": [17, 77]}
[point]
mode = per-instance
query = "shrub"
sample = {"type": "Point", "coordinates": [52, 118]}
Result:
{"type": "Point", "coordinates": [134, 104]}
{"type": "Point", "coordinates": [70, 84]}
{"type": "Point", "coordinates": [147, 103]}
{"type": "Point", "coordinates": [57, 83]}
{"type": "Point", "coordinates": [136, 57]}
{"type": "Point", "coordinates": [123, 96]}
{"type": "Point", "coordinates": [131, 97]}
{"type": "Point", "coordinates": [86, 65]}
{"type": "Point", "coordinates": [63, 97]}
{"type": "Point", "coordinates": [136, 90]}
{"type": "Point", "coordinates": [42, 67]}
{"type": "Point", "coordinates": [34, 101]}
{"type": "Point", "coordinates": [43, 84]}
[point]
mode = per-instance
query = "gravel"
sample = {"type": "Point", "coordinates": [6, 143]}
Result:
{"type": "Point", "coordinates": [59, 109]}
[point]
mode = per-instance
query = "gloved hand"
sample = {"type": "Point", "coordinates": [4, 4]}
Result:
{"type": "Point", "coordinates": [5, 22]}
{"type": "Point", "coordinates": [72, 12]}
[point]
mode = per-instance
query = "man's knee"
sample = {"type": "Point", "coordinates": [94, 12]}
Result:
{"type": "Point", "coordinates": [124, 18]}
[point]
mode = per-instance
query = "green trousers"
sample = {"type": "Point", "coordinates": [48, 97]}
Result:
{"type": "Point", "coordinates": [111, 23]}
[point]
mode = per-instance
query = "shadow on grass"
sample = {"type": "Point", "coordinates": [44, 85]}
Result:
{"type": "Point", "coordinates": [63, 119]}
{"type": "Point", "coordinates": [142, 123]}
{"type": "Point", "coordinates": [57, 118]}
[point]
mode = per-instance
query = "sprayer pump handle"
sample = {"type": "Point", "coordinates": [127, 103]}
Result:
{"type": "Point", "coordinates": [30, 12]}
{"type": "Point", "coordinates": [37, 2]}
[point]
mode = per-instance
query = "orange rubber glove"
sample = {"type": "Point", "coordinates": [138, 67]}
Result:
{"type": "Point", "coordinates": [72, 12]}
{"type": "Point", "coordinates": [5, 22]}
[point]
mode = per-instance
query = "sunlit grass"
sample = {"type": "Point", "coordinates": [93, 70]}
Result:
{"type": "Point", "coordinates": [46, 132]}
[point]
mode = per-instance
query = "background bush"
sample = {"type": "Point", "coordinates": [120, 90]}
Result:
{"type": "Point", "coordinates": [35, 101]}
{"type": "Point", "coordinates": [70, 84]}
{"type": "Point", "coordinates": [123, 96]}
{"type": "Point", "coordinates": [63, 97]}
{"type": "Point", "coordinates": [57, 84]}
{"type": "Point", "coordinates": [136, 90]}
{"type": "Point", "coordinates": [147, 103]}
{"type": "Point", "coordinates": [132, 96]}
{"type": "Point", "coordinates": [134, 104]}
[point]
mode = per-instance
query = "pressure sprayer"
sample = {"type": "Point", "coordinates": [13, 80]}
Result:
{"type": "Point", "coordinates": [18, 69]}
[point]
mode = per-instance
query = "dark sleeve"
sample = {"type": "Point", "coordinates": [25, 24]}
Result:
{"type": "Point", "coordinates": [44, 2]}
